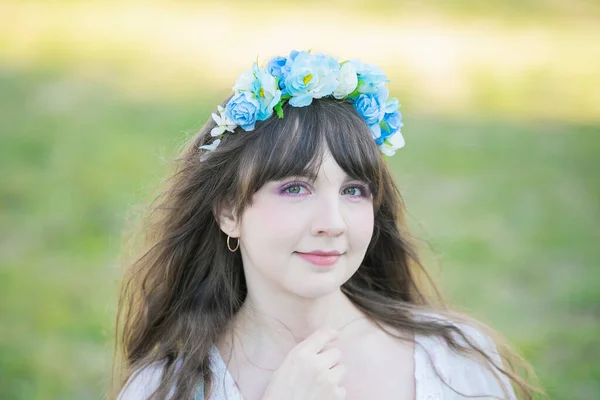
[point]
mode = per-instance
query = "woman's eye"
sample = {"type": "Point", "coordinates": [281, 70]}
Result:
{"type": "Point", "coordinates": [297, 189]}
{"type": "Point", "coordinates": [354, 191]}
{"type": "Point", "coordinates": [294, 189]}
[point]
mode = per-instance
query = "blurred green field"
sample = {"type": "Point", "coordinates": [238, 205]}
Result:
{"type": "Point", "coordinates": [507, 196]}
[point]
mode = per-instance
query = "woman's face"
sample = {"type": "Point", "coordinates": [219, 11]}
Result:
{"type": "Point", "coordinates": [291, 218]}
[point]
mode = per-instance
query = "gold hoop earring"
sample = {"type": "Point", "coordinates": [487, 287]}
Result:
{"type": "Point", "coordinates": [229, 246]}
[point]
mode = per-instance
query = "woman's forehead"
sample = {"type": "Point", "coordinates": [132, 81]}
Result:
{"type": "Point", "coordinates": [329, 173]}
{"type": "Point", "coordinates": [329, 170]}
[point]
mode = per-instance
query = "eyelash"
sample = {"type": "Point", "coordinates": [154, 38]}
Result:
{"type": "Point", "coordinates": [363, 189]}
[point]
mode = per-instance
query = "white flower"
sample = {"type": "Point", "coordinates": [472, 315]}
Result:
{"type": "Point", "coordinates": [209, 148]}
{"type": "Point", "coordinates": [212, 146]}
{"type": "Point", "coordinates": [347, 81]}
{"type": "Point", "coordinates": [223, 123]}
{"type": "Point", "coordinates": [392, 143]}
{"type": "Point", "coordinates": [244, 82]}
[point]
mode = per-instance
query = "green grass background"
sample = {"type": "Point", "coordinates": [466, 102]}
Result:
{"type": "Point", "coordinates": [507, 196]}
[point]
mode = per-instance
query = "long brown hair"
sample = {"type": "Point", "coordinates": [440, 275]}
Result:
{"type": "Point", "coordinates": [180, 296]}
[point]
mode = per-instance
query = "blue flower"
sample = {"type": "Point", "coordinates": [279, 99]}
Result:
{"type": "Point", "coordinates": [392, 119]}
{"type": "Point", "coordinates": [262, 86]}
{"type": "Point", "coordinates": [391, 105]}
{"type": "Point", "coordinates": [311, 77]}
{"type": "Point", "coordinates": [371, 106]}
{"type": "Point", "coordinates": [265, 91]}
{"type": "Point", "coordinates": [392, 122]}
{"type": "Point", "coordinates": [243, 109]}
{"type": "Point", "coordinates": [276, 67]}
{"type": "Point", "coordinates": [280, 67]}
{"type": "Point", "coordinates": [370, 77]}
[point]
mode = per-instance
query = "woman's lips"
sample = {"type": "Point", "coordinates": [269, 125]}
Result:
{"type": "Point", "coordinates": [320, 260]}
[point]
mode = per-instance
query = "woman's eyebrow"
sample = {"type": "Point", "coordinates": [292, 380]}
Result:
{"type": "Point", "coordinates": [348, 178]}
{"type": "Point", "coordinates": [312, 178]}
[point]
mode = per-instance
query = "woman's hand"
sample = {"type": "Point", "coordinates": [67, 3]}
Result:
{"type": "Point", "coordinates": [309, 372]}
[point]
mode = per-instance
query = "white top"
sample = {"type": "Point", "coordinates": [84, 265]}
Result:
{"type": "Point", "coordinates": [467, 376]}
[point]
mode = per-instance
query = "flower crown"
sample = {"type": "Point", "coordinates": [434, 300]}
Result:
{"type": "Point", "coordinates": [301, 77]}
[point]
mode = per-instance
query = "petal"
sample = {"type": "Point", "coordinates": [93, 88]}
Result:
{"type": "Point", "coordinates": [212, 146]}
{"type": "Point", "coordinates": [391, 105]}
{"type": "Point", "coordinates": [301, 101]}
{"type": "Point", "coordinates": [249, 127]}
{"type": "Point", "coordinates": [375, 130]}
{"type": "Point", "coordinates": [386, 150]}
{"type": "Point", "coordinates": [396, 140]}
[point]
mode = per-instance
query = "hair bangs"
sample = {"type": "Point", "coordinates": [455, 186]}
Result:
{"type": "Point", "coordinates": [296, 144]}
{"type": "Point", "coordinates": [351, 144]}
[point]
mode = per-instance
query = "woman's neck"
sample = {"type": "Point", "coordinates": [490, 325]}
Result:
{"type": "Point", "coordinates": [277, 325]}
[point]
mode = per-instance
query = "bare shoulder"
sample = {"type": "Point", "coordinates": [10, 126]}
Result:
{"type": "Point", "coordinates": [379, 364]}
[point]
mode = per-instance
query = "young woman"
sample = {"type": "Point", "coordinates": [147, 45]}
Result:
{"type": "Point", "coordinates": [278, 264]}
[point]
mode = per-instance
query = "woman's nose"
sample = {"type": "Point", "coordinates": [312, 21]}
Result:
{"type": "Point", "coordinates": [327, 218]}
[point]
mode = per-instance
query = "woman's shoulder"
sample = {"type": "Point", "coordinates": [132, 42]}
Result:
{"type": "Point", "coordinates": [469, 373]}
{"type": "Point", "coordinates": [146, 380]}
{"type": "Point", "coordinates": [465, 329]}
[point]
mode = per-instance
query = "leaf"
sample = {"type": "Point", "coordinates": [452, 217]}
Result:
{"type": "Point", "coordinates": [354, 95]}
{"type": "Point", "coordinates": [278, 109]}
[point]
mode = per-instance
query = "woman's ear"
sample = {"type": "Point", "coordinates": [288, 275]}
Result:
{"type": "Point", "coordinates": [228, 222]}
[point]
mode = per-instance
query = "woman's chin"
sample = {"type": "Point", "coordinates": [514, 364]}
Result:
{"type": "Point", "coordinates": [316, 288]}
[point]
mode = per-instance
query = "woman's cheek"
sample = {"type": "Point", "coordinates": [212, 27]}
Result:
{"type": "Point", "coordinates": [279, 218]}
{"type": "Point", "coordinates": [276, 216]}
{"type": "Point", "coordinates": [363, 223]}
